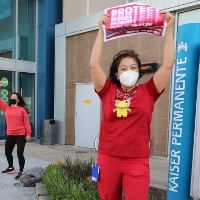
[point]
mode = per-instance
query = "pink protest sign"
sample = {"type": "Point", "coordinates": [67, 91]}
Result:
{"type": "Point", "coordinates": [131, 19]}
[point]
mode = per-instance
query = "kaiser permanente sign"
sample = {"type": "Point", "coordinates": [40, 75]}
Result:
{"type": "Point", "coordinates": [183, 111]}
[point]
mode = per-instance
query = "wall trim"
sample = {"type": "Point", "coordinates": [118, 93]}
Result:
{"type": "Point", "coordinates": [90, 22]}
{"type": "Point", "coordinates": [17, 65]}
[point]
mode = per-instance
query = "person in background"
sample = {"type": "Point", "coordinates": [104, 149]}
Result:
{"type": "Point", "coordinates": [18, 130]}
{"type": "Point", "coordinates": [123, 151]}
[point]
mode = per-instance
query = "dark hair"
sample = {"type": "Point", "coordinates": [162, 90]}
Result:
{"type": "Point", "coordinates": [117, 59]}
{"type": "Point", "coordinates": [21, 102]}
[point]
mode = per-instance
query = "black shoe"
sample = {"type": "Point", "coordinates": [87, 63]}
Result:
{"type": "Point", "coordinates": [18, 175]}
{"type": "Point", "coordinates": [9, 170]}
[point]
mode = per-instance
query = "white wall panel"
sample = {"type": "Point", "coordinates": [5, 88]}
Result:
{"type": "Point", "coordinates": [60, 88]}
{"type": "Point", "coordinates": [195, 178]}
{"type": "Point", "coordinates": [83, 24]}
{"type": "Point", "coordinates": [7, 64]}
{"type": "Point", "coordinates": [87, 115]}
{"type": "Point", "coordinates": [172, 5]}
{"type": "Point", "coordinates": [17, 65]}
{"type": "Point", "coordinates": [73, 9]}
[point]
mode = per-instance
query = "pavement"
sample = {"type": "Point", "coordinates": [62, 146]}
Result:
{"type": "Point", "coordinates": [38, 155]}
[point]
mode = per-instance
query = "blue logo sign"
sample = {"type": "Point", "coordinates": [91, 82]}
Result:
{"type": "Point", "coordinates": [183, 111]}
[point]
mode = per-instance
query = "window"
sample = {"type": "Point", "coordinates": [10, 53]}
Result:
{"type": "Point", "coordinates": [7, 28]}
{"type": "Point", "coordinates": [26, 30]}
{"type": "Point", "coordinates": [8, 79]}
{"type": "Point", "coordinates": [17, 32]}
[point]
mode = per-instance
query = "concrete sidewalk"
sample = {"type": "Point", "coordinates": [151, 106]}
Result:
{"type": "Point", "coordinates": [42, 155]}
{"type": "Point", "coordinates": [10, 188]}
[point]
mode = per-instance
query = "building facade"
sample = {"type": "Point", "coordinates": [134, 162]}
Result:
{"type": "Point", "coordinates": [27, 55]}
{"type": "Point", "coordinates": [74, 41]}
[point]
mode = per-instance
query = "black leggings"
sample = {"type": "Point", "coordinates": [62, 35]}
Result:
{"type": "Point", "coordinates": [20, 140]}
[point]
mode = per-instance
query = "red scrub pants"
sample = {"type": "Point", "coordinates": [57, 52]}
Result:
{"type": "Point", "coordinates": [128, 174]}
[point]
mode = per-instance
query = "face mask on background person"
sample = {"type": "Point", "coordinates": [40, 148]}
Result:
{"type": "Point", "coordinates": [12, 101]}
{"type": "Point", "coordinates": [128, 78]}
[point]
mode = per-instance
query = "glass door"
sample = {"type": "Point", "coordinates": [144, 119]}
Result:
{"type": "Point", "coordinates": [27, 90]}
{"type": "Point", "coordinates": [8, 79]}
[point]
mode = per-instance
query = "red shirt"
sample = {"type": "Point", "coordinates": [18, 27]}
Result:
{"type": "Point", "coordinates": [17, 120]}
{"type": "Point", "coordinates": [126, 119]}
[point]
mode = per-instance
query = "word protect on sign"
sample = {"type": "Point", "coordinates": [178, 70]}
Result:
{"type": "Point", "coordinates": [133, 18]}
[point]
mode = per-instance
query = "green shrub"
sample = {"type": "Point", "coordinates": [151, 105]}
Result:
{"type": "Point", "coordinates": [55, 181]}
{"type": "Point", "coordinates": [70, 181]}
{"type": "Point", "coordinates": [78, 170]}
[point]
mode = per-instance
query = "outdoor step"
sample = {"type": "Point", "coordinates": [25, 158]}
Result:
{"type": "Point", "coordinates": [41, 192]}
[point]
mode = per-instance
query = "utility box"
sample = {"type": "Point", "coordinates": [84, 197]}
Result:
{"type": "Point", "coordinates": [48, 131]}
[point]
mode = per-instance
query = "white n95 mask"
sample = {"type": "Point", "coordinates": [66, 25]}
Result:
{"type": "Point", "coordinates": [128, 78]}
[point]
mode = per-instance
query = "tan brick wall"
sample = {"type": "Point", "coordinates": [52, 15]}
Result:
{"type": "Point", "coordinates": [149, 48]}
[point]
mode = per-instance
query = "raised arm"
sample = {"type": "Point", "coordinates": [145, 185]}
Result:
{"type": "Point", "coordinates": [162, 76]}
{"type": "Point", "coordinates": [97, 73]}
{"type": "Point", "coordinates": [3, 105]}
